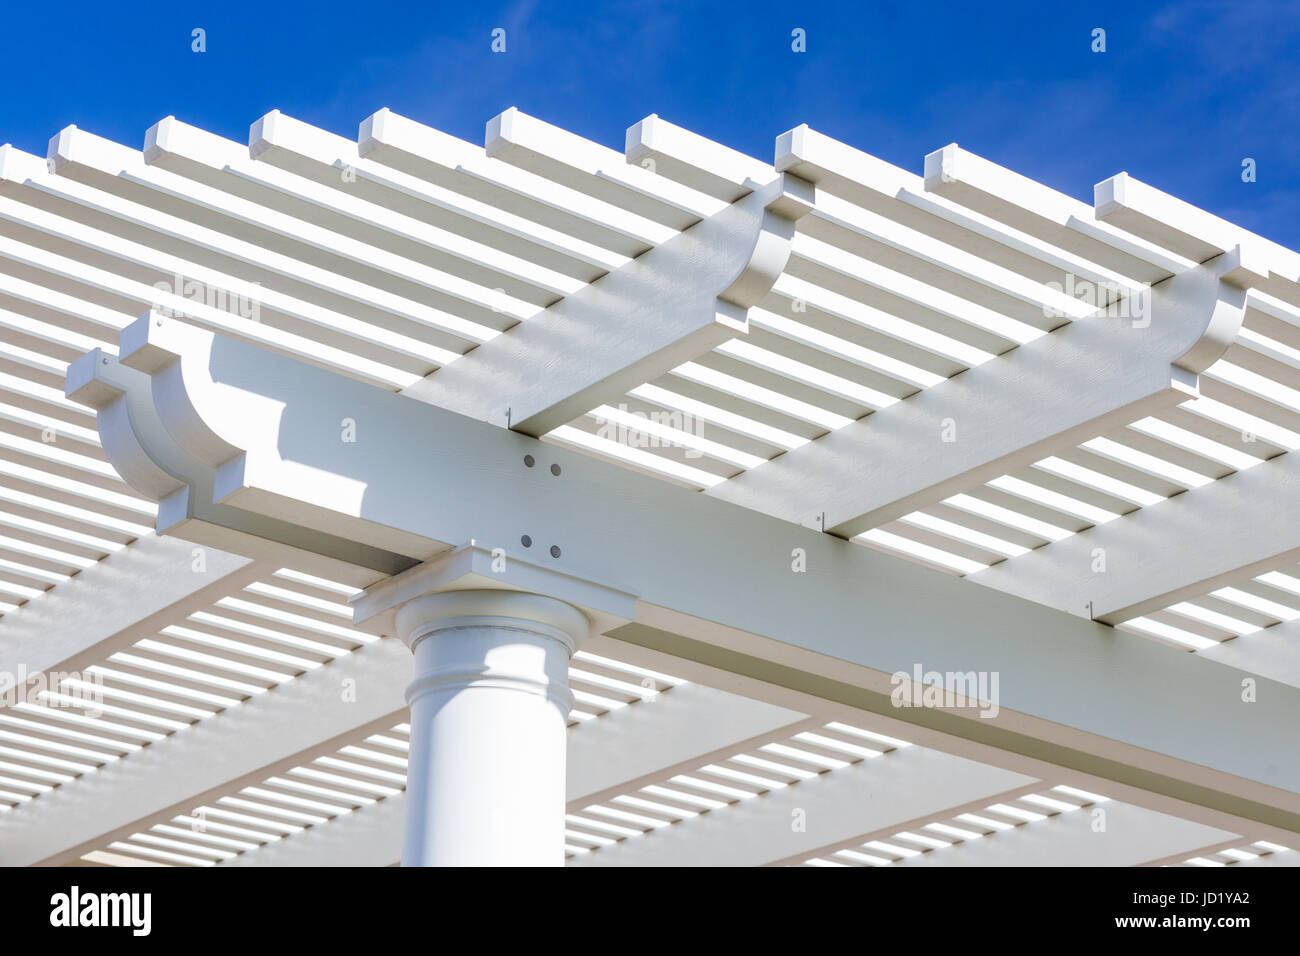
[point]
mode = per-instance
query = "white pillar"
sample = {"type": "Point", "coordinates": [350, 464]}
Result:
{"type": "Point", "coordinates": [489, 707]}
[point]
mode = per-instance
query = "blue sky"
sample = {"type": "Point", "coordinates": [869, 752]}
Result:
{"type": "Point", "coordinates": [1184, 92]}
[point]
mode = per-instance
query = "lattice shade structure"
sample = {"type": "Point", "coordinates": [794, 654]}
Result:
{"type": "Point", "coordinates": [733, 443]}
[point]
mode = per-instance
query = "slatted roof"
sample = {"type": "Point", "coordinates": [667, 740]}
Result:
{"type": "Point", "coordinates": [394, 254]}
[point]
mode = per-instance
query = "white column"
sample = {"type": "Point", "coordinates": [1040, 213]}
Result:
{"type": "Point", "coordinates": [489, 707]}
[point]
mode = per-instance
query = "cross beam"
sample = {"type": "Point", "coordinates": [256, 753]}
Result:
{"type": "Point", "coordinates": [256, 444]}
{"type": "Point", "coordinates": [1223, 533]}
{"type": "Point", "coordinates": [1090, 377]}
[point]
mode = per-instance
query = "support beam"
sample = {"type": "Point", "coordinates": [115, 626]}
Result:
{"type": "Point", "coordinates": [131, 594]}
{"type": "Point", "coordinates": [823, 711]}
{"type": "Point", "coordinates": [673, 304]}
{"type": "Point", "coordinates": [1221, 533]}
{"type": "Point", "coordinates": [216, 756]}
{"type": "Point", "coordinates": [686, 726]}
{"type": "Point", "coordinates": [1273, 653]}
{"type": "Point", "coordinates": [266, 428]}
{"type": "Point", "coordinates": [863, 797]}
{"type": "Point", "coordinates": [697, 724]}
{"type": "Point", "coordinates": [1076, 383]}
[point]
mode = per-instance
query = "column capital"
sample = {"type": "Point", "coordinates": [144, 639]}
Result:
{"type": "Point", "coordinates": [491, 639]}
{"type": "Point", "coordinates": [495, 608]}
{"type": "Point", "coordinates": [492, 575]}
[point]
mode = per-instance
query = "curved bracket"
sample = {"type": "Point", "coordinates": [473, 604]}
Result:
{"type": "Point", "coordinates": [141, 410]}
{"type": "Point", "coordinates": [671, 305]}
{"type": "Point", "coordinates": [1135, 357]}
{"type": "Point", "coordinates": [1216, 289]}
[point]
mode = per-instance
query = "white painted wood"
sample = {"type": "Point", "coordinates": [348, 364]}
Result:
{"type": "Point", "coordinates": [854, 617]}
{"type": "Point", "coordinates": [670, 306]}
{"type": "Point", "coordinates": [608, 235]}
{"type": "Point", "coordinates": [688, 723]}
{"type": "Point", "coordinates": [312, 715]}
{"type": "Point", "coordinates": [370, 836]}
{"type": "Point", "coordinates": [572, 161]}
{"type": "Point", "coordinates": [1273, 653]}
{"type": "Point", "coordinates": [808, 815]}
{"type": "Point", "coordinates": [1045, 396]}
{"type": "Point", "coordinates": [489, 703]}
{"type": "Point", "coordinates": [1023, 204]}
{"type": "Point", "coordinates": [1176, 225]}
{"type": "Point", "coordinates": [693, 160]}
{"type": "Point", "coordinates": [131, 594]}
{"type": "Point", "coordinates": [1221, 533]}
{"type": "Point", "coordinates": [386, 258]}
{"type": "Point", "coordinates": [182, 485]}
{"type": "Point", "coordinates": [898, 194]}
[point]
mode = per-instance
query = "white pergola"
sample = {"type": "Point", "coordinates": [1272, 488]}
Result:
{"type": "Point", "coordinates": [664, 463]}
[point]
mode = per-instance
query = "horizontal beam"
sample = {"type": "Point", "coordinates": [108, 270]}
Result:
{"type": "Point", "coordinates": [131, 594]}
{"type": "Point", "coordinates": [279, 144]}
{"type": "Point", "coordinates": [266, 735]}
{"type": "Point", "coordinates": [1078, 382]}
{"type": "Point", "coordinates": [685, 724]}
{"type": "Point", "coordinates": [266, 428]}
{"type": "Point", "coordinates": [106, 178]}
{"type": "Point", "coordinates": [369, 836]}
{"type": "Point", "coordinates": [824, 710]}
{"type": "Point", "coordinates": [866, 796]}
{"type": "Point", "coordinates": [1273, 653]}
{"type": "Point", "coordinates": [372, 835]}
{"type": "Point", "coordinates": [1227, 531]}
{"type": "Point", "coordinates": [418, 161]}
{"type": "Point", "coordinates": [669, 306]}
